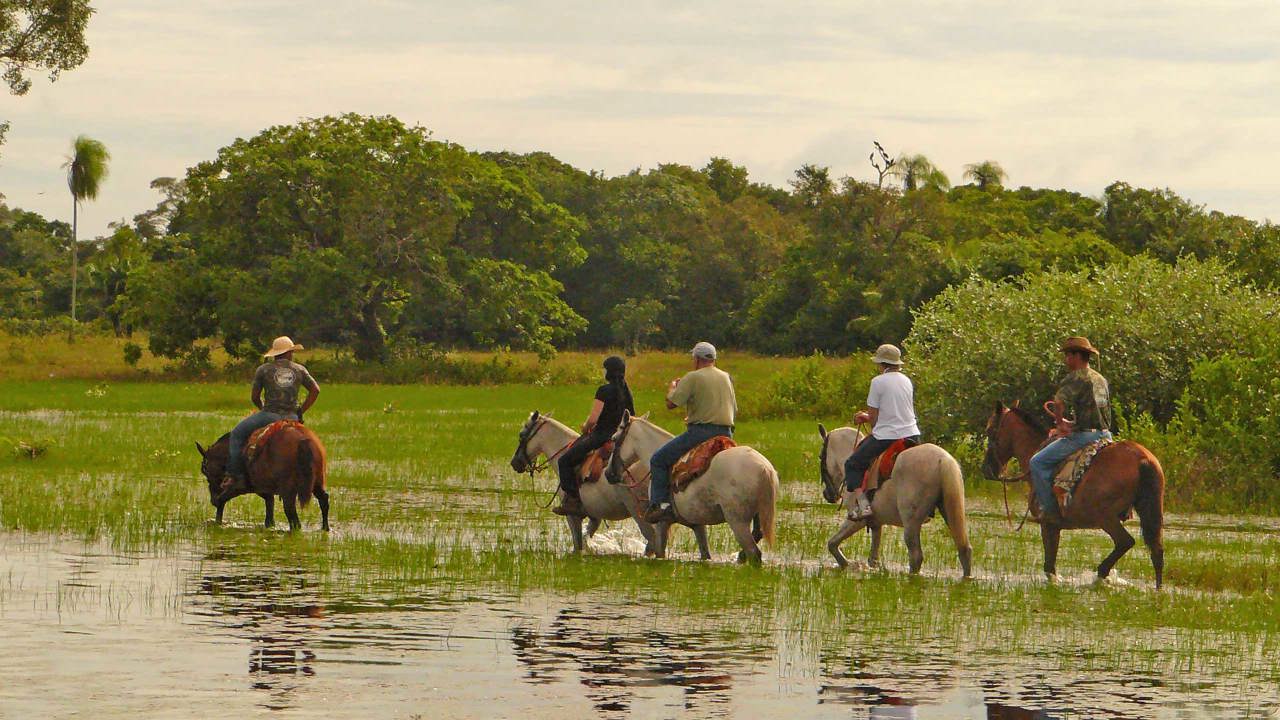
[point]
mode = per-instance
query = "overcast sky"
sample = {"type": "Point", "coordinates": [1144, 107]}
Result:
{"type": "Point", "coordinates": [1169, 94]}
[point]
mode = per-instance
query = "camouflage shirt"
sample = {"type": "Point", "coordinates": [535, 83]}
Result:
{"type": "Point", "coordinates": [1086, 399]}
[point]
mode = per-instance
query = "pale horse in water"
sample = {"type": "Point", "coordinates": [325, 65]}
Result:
{"type": "Point", "coordinates": [925, 478]}
{"type": "Point", "coordinates": [740, 487]}
{"type": "Point", "coordinates": [544, 436]}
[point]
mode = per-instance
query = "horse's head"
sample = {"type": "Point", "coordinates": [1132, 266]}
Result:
{"type": "Point", "coordinates": [1011, 432]}
{"type": "Point", "coordinates": [616, 462]}
{"type": "Point", "coordinates": [837, 446]}
{"type": "Point", "coordinates": [520, 461]}
{"type": "Point", "coordinates": [213, 465]}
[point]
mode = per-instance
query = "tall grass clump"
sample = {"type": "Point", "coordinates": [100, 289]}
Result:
{"type": "Point", "coordinates": [816, 387]}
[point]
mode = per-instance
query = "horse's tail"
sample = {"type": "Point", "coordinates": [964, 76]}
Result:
{"type": "Point", "coordinates": [306, 469]}
{"type": "Point", "coordinates": [1149, 502]}
{"type": "Point", "coordinates": [951, 502]}
{"type": "Point", "coordinates": [766, 502]}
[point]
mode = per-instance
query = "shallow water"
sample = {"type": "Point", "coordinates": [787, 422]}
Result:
{"type": "Point", "coordinates": [198, 630]}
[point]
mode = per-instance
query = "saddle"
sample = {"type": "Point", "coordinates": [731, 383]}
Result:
{"type": "Point", "coordinates": [592, 469]}
{"type": "Point", "coordinates": [1067, 479]}
{"type": "Point", "coordinates": [882, 466]}
{"type": "Point", "coordinates": [694, 463]}
{"type": "Point", "coordinates": [262, 436]}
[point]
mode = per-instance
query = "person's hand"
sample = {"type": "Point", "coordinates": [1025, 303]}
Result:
{"type": "Point", "coordinates": [1064, 427]}
{"type": "Point", "coordinates": [862, 418]}
{"type": "Point", "coordinates": [672, 385]}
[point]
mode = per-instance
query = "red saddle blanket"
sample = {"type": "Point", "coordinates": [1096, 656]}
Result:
{"type": "Point", "coordinates": [882, 467]}
{"type": "Point", "coordinates": [262, 436]}
{"type": "Point", "coordinates": [592, 469]}
{"type": "Point", "coordinates": [694, 463]}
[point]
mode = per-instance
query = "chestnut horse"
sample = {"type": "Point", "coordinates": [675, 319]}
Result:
{"type": "Point", "coordinates": [1124, 476]}
{"type": "Point", "coordinates": [292, 465]}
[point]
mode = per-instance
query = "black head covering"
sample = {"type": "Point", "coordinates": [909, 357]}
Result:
{"type": "Point", "coordinates": [615, 373]}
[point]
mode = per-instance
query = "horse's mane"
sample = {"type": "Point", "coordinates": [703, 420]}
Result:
{"type": "Point", "coordinates": [1029, 418]}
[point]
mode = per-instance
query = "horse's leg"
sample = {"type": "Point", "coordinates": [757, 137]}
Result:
{"type": "Point", "coordinates": [322, 499]}
{"type": "Point", "coordinates": [700, 534]}
{"type": "Point", "coordinates": [750, 550]}
{"type": "Point", "coordinates": [847, 528]}
{"type": "Point", "coordinates": [873, 558]}
{"type": "Point", "coordinates": [662, 533]}
{"type": "Point", "coordinates": [270, 501]}
{"type": "Point", "coordinates": [1123, 540]}
{"type": "Point", "coordinates": [911, 535]}
{"type": "Point", "coordinates": [593, 524]}
{"type": "Point", "coordinates": [756, 532]}
{"type": "Point", "coordinates": [575, 530]}
{"type": "Point", "coordinates": [291, 511]}
{"type": "Point", "coordinates": [650, 534]}
{"type": "Point", "coordinates": [220, 506]}
{"type": "Point", "coordinates": [1050, 533]}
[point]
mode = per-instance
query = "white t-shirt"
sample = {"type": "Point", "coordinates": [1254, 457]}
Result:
{"type": "Point", "coordinates": [893, 395]}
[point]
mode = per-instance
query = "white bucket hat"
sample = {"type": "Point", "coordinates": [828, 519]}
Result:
{"type": "Point", "coordinates": [704, 350]}
{"type": "Point", "coordinates": [280, 346]}
{"type": "Point", "coordinates": [887, 355]}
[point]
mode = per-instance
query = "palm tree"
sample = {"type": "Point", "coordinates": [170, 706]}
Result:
{"type": "Point", "coordinates": [986, 173]}
{"type": "Point", "coordinates": [917, 172]}
{"type": "Point", "coordinates": [86, 169]}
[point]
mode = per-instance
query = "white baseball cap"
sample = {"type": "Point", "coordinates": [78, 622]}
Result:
{"type": "Point", "coordinates": [704, 350]}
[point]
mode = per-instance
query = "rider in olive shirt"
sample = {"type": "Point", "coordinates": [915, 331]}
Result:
{"type": "Point", "coordinates": [710, 404]}
{"type": "Point", "coordinates": [279, 381]}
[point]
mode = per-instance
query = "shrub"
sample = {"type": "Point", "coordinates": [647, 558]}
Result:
{"type": "Point", "coordinates": [815, 388]}
{"type": "Point", "coordinates": [983, 341]}
{"type": "Point", "coordinates": [132, 353]}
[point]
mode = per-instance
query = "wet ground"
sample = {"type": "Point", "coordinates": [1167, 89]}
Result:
{"type": "Point", "coordinates": [197, 631]}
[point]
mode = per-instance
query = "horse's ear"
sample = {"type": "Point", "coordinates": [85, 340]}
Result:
{"type": "Point", "coordinates": [626, 416]}
{"type": "Point", "coordinates": [534, 416]}
{"type": "Point", "coordinates": [822, 431]}
{"type": "Point", "coordinates": [1017, 403]}
{"type": "Point", "coordinates": [203, 452]}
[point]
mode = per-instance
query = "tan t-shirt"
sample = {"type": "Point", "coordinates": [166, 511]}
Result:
{"type": "Point", "coordinates": [707, 397]}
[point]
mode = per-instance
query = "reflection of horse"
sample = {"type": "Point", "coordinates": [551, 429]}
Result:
{"type": "Point", "coordinates": [543, 435]}
{"type": "Point", "coordinates": [1124, 476]}
{"type": "Point", "coordinates": [925, 478]}
{"type": "Point", "coordinates": [290, 464]}
{"type": "Point", "coordinates": [739, 487]}
{"type": "Point", "coordinates": [616, 663]}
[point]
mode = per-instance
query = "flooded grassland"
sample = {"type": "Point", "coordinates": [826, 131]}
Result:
{"type": "Point", "coordinates": [446, 590]}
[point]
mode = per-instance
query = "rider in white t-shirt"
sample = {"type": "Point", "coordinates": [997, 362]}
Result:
{"type": "Point", "coordinates": [891, 412]}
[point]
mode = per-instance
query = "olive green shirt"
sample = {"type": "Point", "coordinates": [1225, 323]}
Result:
{"type": "Point", "coordinates": [1086, 399]}
{"type": "Point", "coordinates": [707, 396]}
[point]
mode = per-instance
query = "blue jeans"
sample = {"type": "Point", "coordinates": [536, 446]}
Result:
{"type": "Point", "coordinates": [856, 466]}
{"type": "Point", "coordinates": [667, 455]}
{"type": "Point", "coordinates": [240, 435]}
{"type": "Point", "coordinates": [1045, 463]}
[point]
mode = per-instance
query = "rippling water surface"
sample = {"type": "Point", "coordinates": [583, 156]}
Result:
{"type": "Point", "coordinates": [190, 632]}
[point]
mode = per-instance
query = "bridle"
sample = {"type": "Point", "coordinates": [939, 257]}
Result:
{"type": "Point", "coordinates": [522, 450]}
{"type": "Point", "coordinates": [615, 460]}
{"type": "Point", "coordinates": [990, 463]}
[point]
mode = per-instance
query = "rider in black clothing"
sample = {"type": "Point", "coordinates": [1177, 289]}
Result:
{"type": "Point", "coordinates": [606, 414]}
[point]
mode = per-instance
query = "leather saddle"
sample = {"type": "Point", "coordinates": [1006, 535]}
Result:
{"type": "Point", "coordinates": [263, 435]}
{"type": "Point", "coordinates": [694, 463]}
{"type": "Point", "coordinates": [592, 469]}
{"type": "Point", "coordinates": [882, 466]}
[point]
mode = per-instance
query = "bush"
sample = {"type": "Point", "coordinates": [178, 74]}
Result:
{"type": "Point", "coordinates": [815, 388]}
{"type": "Point", "coordinates": [984, 341]}
{"type": "Point", "coordinates": [132, 354]}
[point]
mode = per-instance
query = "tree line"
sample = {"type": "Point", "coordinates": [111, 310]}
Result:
{"type": "Point", "coordinates": [370, 234]}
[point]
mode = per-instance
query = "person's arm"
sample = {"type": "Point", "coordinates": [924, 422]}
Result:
{"type": "Point", "coordinates": [596, 407]}
{"type": "Point", "coordinates": [313, 392]}
{"type": "Point", "coordinates": [678, 393]}
{"type": "Point", "coordinates": [869, 416]}
{"type": "Point", "coordinates": [256, 396]}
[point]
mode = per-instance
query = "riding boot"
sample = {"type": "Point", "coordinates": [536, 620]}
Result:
{"type": "Point", "coordinates": [665, 512]}
{"type": "Point", "coordinates": [570, 505]}
{"type": "Point", "coordinates": [859, 506]}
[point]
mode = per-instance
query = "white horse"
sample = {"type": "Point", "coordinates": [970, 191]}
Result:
{"type": "Point", "coordinates": [544, 436]}
{"type": "Point", "coordinates": [740, 487]}
{"type": "Point", "coordinates": [924, 478]}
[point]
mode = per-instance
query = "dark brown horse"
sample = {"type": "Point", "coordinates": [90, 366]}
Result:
{"type": "Point", "coordinates": [1124, 476]}
{"type": "Point", "coordinates": [291, 464]}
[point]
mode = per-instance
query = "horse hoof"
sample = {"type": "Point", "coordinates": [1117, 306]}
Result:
{"type": "Point", "coordinates": [1052, 578]}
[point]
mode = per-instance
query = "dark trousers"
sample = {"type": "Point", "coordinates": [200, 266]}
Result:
{"type": "Point", "coordinates": [570, 459]}
{"type": "Point", "coordinates": [865, 454]}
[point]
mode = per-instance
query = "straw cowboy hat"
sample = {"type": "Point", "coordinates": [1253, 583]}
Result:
{"type": "Point", "coordinates": [887, 355]}
{"type": "Point", "coordinates": [280, 346]}
{"type": "Point", "coordinates": [1078, 343]}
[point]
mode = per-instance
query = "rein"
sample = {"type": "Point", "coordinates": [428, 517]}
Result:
{"type": "Point", "coordinates": [534, 467]}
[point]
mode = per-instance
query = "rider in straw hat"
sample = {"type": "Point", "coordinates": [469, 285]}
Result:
{"type": "Point", "coordinates": [279, 380]}
{"type": "Point", "coordinates": [891, 412]}
{"type": "Point", "coordinates": [1081, 412]}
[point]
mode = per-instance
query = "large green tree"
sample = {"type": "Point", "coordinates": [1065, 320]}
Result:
{"type": "Point", "coordinates": [40, 36]}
